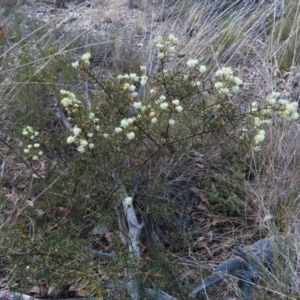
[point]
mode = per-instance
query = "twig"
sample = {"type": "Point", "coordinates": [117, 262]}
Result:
{"type": "Point", "coordinates": [133, 236]}
{"type": "Point", "coordinates": [40, 253]}
{"type": "Point", "coordinates": [134, 228]}
{"type": "Point", "coordinates": [18, 296]}
{"type": "Point", "coordinates": [134, 232]}
{"type": "Point", "coordinates": [88, 101]}
{"type": "Point", "coordinates": [247, 266]}
{"type": "Point", "coordinates": [2, 169]}
{"type": "Point", "coordinates": [100, 253]}
{"type": "Point", "coordinates": [64, 119]}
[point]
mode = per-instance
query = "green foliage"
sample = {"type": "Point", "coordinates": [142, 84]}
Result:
{"type": "Point", "coordinates": [143, 133]}
{"type": "Point", "coordinates": [17, 27]}
{"type": "Point", "coordinates": [228, 36]}
{"type": "Point", "coordinates": [287, 32]}
{"type": "Point", "coordinates": [226, 191]}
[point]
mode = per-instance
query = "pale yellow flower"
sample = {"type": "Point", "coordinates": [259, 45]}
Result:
{"type": "Point", "coordinates": [131, 135]}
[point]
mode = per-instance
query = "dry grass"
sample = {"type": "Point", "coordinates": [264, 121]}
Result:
{"type": "Point", "coordinates": [261, 42]}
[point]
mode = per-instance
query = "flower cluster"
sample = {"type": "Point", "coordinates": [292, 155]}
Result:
{"type": "Point", "coordinates": [125, 123]}
{"type": "Point", "coordinates": [193, 64]}
{"type": "Point", "coordinates": [69, 102]}
{"type": "Point", "coordinates": [161, 105]}
{"type": "Point", "coordinates": [132, 77]}
{"type": "Point", "coordinates": [82, 138]}
{"type": "Point", "coordinates": [82, 142]}
{"type": "Point", "coordinates": [165, 47]}
{"type": "Point", "coordinates": [226, 82]}
{"type": "Point", "coordinates": [148, 112]}
{"type": "Point", "coordinates": [272, 98]}
{"type": "Point", "coordinates": [127, 126]}
{"type": "Point", "coordinates": [177, 105]}
{"type": "Point", "coordinates": [33, 147]}
{"type": "Point", "coordinates": [260, 136]}
{"type": "Point", "coordinates": [85, 58]}
{"type": "Point", "coordinates": [288, 110]}
{"type": "Point", "coordinates": [75, 64]}
{"type": "Point", "coordinates": [128, 200]}
{"type": "Point", "coordinates": [164, 108]}
{"type": "Point", "coordinates": [285, 109]}
{"type": "Point", "coordinates": [243, 134]}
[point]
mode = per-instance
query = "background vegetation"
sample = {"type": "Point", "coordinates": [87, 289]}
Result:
{"type": "Point", "coordinates": [199, 186]}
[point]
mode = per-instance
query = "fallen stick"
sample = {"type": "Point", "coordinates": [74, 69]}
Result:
{"type": "Point", "coordinates": [247, 266]}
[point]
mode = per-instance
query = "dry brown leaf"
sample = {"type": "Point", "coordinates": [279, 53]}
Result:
{"type": "Point", "coordinates": [34, 292]}
{"type": "Point", "coordinates": [82, 293]}
{"type": "Point", "coordinates": [204, 199]}
{"type": "Point", "coordinates": [52, 290]}
{"type": "Point", "coordinates": [77, 289]}
{"type": "Point", "coordinates": [213, 187]}
{"type": "Point", "coordinates": [3, 282]}
{"type": "Point", "coordinates": [200, 239]}
{"type": "Point", "coordinates": [208, 251]}
{"type": "Point", "coordinates": [210, 236]}
{"type": "Point", "coordinates": [43, 287]}
{"type": "Point", "coordinates": [228, 243]}
{"type": "Point", "coordinates": [288, 230]}
{"type": "Point", "coordinates": [9, 212]}
{"type": "Point", "coordinates": [76, 286]}
{"type": "Point", "coordinates": [99, 231]}
{"type": "Point", "coordinates": [39, 212]}
{"type": "Point", "coordinates": [12, 214]}
{"type": "Point", "coordinates": [30, 203]}
{"type": "Point", "coordinates": [108, 236]}
{"type": "Point", "coordinates": [62, 209]}
{"type": "Point", "coordinates": [202, 207]}
{"type": "Point", "coordinates": [200, 166]}
{"type": "Point", "coordinates": [267, 218]}
{"type": "Point", "coordinates": [185, 274]}
{"type": "Point", "coordinates": [166, 240]}
{"type": "Point", "coordinates": [13, 196]}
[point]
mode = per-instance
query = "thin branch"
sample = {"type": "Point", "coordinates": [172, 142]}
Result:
{"type": "Point", "coordinates": [133, 236]}
{"type": "Point", "coordinates": [64, 119]}
{"type": "Point", "coordinates": [40, 253]}
{"type": "Point", "coordinates": [100, 253]}
{"type": "Point", "coordinates": [18, 296]}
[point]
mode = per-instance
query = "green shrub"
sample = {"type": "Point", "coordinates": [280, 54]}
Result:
{"type": "Point", "coordinates": [124, 141]}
